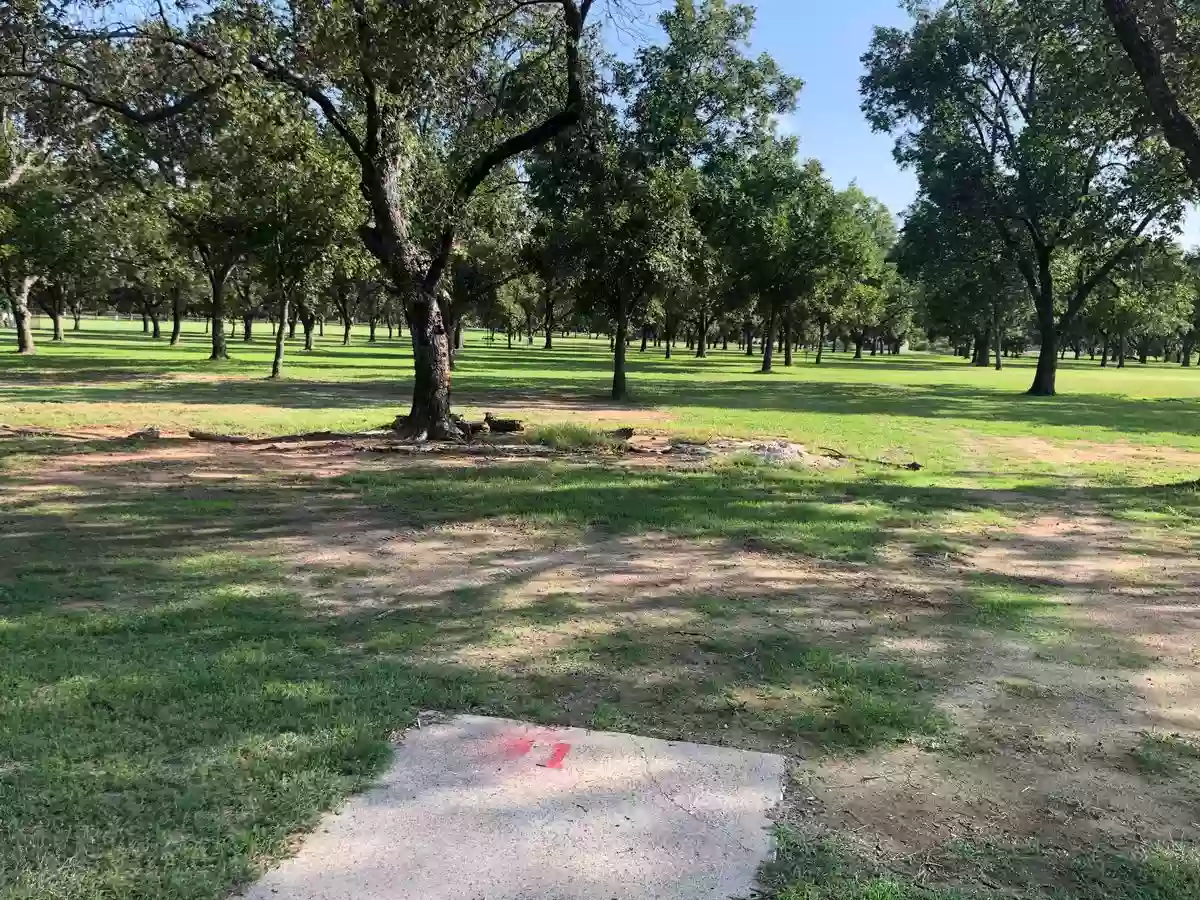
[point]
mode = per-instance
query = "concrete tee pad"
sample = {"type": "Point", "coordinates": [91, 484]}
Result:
{"type": "Point", "coordinates": [477, 808]}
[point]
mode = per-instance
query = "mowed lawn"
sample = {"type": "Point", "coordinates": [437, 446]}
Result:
{"type": "Point", "coordinates": [985, 672]}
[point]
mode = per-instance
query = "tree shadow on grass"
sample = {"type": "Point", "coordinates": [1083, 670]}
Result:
{"type": "Point", "coordinates": [180, 696]}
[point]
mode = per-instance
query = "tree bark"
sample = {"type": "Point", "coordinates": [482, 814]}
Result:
{"type": "Point", "coordinates": [1189, 345]}
{"type": "Point", "coordinates": [820, 341]}
{"type": "Point", "coordinates": [145, 322]}
{"type": "Point", "coordinates": [1047, 366]}
{"type": "Point", "coordinates": [176, 315]}
{"type": "Point", "coordinates": [1179, 128]}
{"type": "Point", "coordinates": [155, 326]}
{"type": "Point", "coordinates": [669, 328]}
{"type": "Point", "coordinates": [21, 317]}
{"type": "Point", "coordinates": [549, 345]}
{"type": "Point", "coordinates": [280, 339]}
{"type": "Point", "coordinates": [248, 327]}
{"type": "Point", "coordinates": [620, 343]}
{"type": "Point", "coordinates": [645, 337]}
{"type": "Point", "coordinates": [308, 321]}
{"type": "Point", "coordinates": [429, 416]}
{"type": "Point", "coordinates": [787, 338]}
{"type": "Point", "coordinates": [702, 335]}
{"type": "Point", "coordinates": [768, 342]}
{"type": "Point", "coordinates": [371, 325]}
{"type": "Point", "coordinates": [858, 344]}
{"type": "Point", "coordinates": [76, 316]}
{"type": "Point", "coordinates": [996, 338]}
{"type": "Point", "coordinates": [347, 324]}
{"type": "Point", "coordinates": [216, 282]}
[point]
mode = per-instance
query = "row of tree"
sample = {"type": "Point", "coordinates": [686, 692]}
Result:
{"type": "Point", "coordinates": [420, 165]}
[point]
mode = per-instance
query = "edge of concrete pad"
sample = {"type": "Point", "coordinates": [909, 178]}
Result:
{"type": "Point", "coordinates": [536, 812]}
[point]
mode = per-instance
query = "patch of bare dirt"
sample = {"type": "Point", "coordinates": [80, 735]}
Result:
{"type": "Point", "coordinates": [1086, 452]}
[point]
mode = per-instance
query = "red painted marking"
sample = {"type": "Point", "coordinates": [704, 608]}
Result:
{"type": "Point", "coordinates": [517, 747]}
{"type": "Point", "coordinates": [556, 758]}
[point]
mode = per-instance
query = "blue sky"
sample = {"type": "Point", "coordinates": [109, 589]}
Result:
{"type": "Point", "coordinates": [822, 42]}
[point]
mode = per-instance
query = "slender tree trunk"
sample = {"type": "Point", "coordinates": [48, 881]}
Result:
{"type": "Point", "coordinates": [321, 327]}
{"type": "Point", "coordinates": [21, 316]}
{"type": "Point", "coordinates": [1121, 350]}
{"type": "Point", "coordinates": [768, 342]}
{"type": "Point", "coordinates": [458, 333]}
{"type": "Point", "coordinates": [280, 339]}
{"type": "Point", "coordinates": [645, 337]}
{"type": "Point", "coordinates": [748, 334]}
{"type": "Point", "coordinates": [347, 324]}
{"type": "Point", "coordinates": [787, 338]}
{"type": "Point", "coordinates": [549, 345]}
{"type": "Point", "coordinates": [207, 324]}
{"type": "Point", "coordinates": [56, 319]}
{"type": "Point", "coordinates": [529, 327]}
{"type": "Point", "coordinates": [996, 338]}
{"type": "Point", "coordinates": [76, 316]}
{"type": "Point", "coordinates": [620, 343]}
{"type": "Point", "coordinates": [820, 341]}
{"type": "Point", "coordinates": [1143, 351]}
{"type": "Point", "coordinates": [155, 326]}
{"type": "Point", "coordinates": [1104, 353]}
{"type": "Point", "coordinates": [858, 344]}
{"type": "Point", "coordinates": [1189, 345]}
{"type": "Point", "coordinates": [248, 327]}
{"type": "Point", "coordinates": [371, 330]}
{"type": "Point", "coordinates": [724, 338]}
{"type": "Point", "coordinates": [219, 348]}
{"type": "Point", "coordinates": [176, 315]}
{"type": "Point", "coordinates": [702, 335]}
{"type": "Point", "coordinates": [145, 323]}
{"type": "Point", "coordinates": [308, 321]}
{"type": "Point", "coordinates": [669, 328]}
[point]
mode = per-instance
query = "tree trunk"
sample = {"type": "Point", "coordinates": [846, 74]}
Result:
{"type": "Point", "coordinates": [702, 335]}
{"type": "Point", "coordinates": [56, 318]}
{"type": "Point", "coordinates": [321, 327]}
{"type": "Point", "coordinates": [768, 342]}
{"type": "Point", "coordinates": [820, 341]}
{"type": "Point", "coordinates": [155, 326]}
{"type": "Point", "coordinates": [1121, 351]}
{"type": "Point", "coordinates": [669, 338]}
{"type": "Point", "coordinates": [529, 327]}
{"type": "Point", "coordinates": [620, 343]}
{"type": "Point", "coordinates": [748, 333]}
{"type": "Point", "coordinates": [1143, 350]}
{"type": "Point", "coordinates": [176, 315]}
{"type": "Point", "coordinates": [549, 345]}
{"type": "Point", "coordinates": [347, 324]}
{"type": "Point", "coordinates": [371, 324]}
{"type": "Point", "coordinates": [458, 333]}
{"type": "Point", "coordinates": [248, 327]}
{"type": "Point", "coordinates": [76, 316]}
{"type": "Point", "coordinates": [292, 322]}
{"type": "Point", "coordinates": [145, 322]}
{"type": "Point", "coordinates": [308, 321]}
{"type": "Point", "coordinates": [429, 416]}
{"type": "Point", "coordinates": [21, 317]}
{"type": "Point", "coordinates": [645, 337]}
{"type": "Point", "coordinates": [787, 338]}
{"type": "Point", "coordinates": [1104, 353]}
{"type": "Point", "coordinates": [858, 344]}
{"type": "Point", "coordinates": [724, 338]}
{"type": "Point", "coordinates": [1047, 366]}
{"type": "Point", "coordinates": [217, 284]}
{"type": "Point", "coordinates": [997, 338]}
{"type": "Point", "coordinates": [280, 341]}
{"type": "Point", "coordinates": [1189, 345]}
{"type": "Point", "coordinates": [1179, 128]}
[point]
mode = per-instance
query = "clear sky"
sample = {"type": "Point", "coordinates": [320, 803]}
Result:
{"type": "Point", "coordinates": [822, 42]}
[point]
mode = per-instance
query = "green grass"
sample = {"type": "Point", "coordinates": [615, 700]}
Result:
{"type": "Point", "coordinates": [180, 696]}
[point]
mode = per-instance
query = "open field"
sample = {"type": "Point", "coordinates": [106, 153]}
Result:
{"type": "Point", "coordinates": [984, 672]}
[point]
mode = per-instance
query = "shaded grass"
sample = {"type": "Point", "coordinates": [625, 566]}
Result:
{"type": "Point", "coordinates": [818, 867]}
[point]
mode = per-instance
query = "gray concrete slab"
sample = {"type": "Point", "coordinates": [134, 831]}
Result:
{"type": "Point", "coordinates": [492, 809]}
